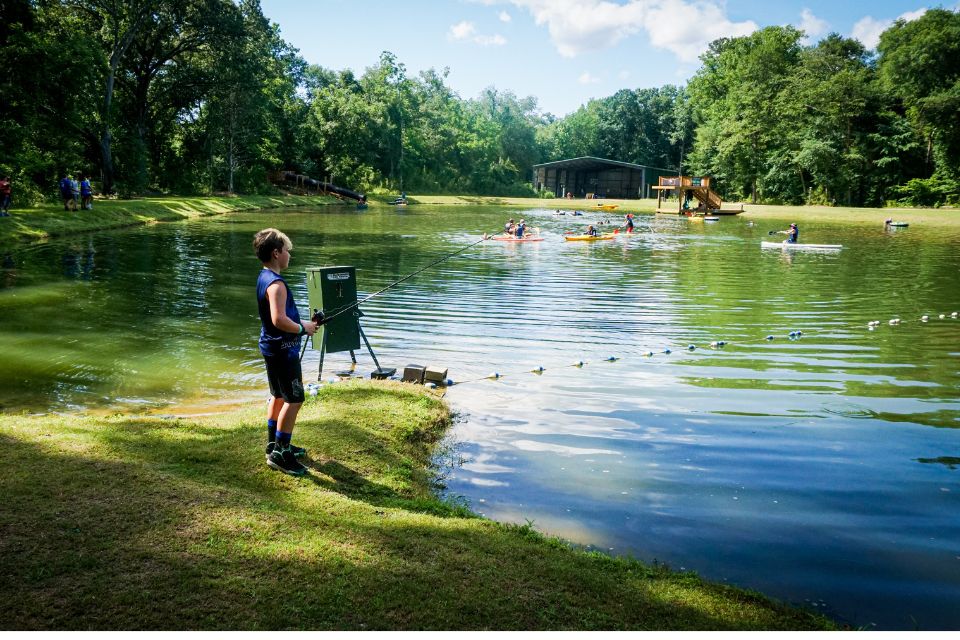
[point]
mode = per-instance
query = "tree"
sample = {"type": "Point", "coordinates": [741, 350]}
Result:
{"type": "Point", "coordinates": [919, 63]}
{"type": "Point", "coordinates": [117, 23]}
{"type": "Point", "coordinates": [731, 96]}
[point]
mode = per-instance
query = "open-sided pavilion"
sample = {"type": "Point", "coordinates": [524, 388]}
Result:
{"type": "Point", "coordinates": [590, 177]}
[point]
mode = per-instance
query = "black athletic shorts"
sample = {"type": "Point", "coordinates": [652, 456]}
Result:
{"type": "Point", "coordinates": [285, 377]}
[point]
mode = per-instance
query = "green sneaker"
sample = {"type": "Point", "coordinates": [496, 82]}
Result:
{"type": "Point", "coordinates": [298, 452]}
{"type": "Point", "coordinates": [283, 460]}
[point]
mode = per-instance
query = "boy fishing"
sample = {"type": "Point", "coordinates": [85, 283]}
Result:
{"type": "Point", "coordinates": [280, 335]}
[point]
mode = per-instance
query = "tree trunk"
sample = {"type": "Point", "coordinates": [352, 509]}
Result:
{"type": "Point", "coordinates": [106, 153]}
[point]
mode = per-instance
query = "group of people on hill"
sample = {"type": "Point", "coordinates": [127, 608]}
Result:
{"type": "Point", "coordinates": [76, 194]}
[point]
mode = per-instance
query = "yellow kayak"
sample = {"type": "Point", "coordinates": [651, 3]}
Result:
{"type": "Point", "coordinates": [586, 238]}
{"type": "Point", "coordinates": [607, 207]}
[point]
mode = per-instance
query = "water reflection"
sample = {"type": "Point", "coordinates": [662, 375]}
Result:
{"type": "Point", "coordinates": [788, 465]}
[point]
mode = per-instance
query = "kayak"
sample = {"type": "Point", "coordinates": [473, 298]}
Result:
{"type": "Point", "coordinates": [711, 218]}
{"type": "Point", "coordinates": [898, 224]}
{"type": "Point", "coordinates": [586, 238]}
{"type": "Point", "coordinates": [796, 246]}
{"type": "Point", "coordinates": [607, 207]}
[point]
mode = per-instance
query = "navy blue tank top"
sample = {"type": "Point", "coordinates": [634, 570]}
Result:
{"type": "Point", "coordinates": [273, 341]}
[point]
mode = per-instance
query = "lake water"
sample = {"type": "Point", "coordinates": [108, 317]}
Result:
{"type": "Point", "coordinates": [820, 469]}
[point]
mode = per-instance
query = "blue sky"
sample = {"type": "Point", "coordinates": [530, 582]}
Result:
{"type": "Point", "coordinates": [562, 52]}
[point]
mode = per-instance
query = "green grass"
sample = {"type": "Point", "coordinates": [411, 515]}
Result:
{"type": "Point", "coordinates": [133, 522]}
{"type": "Point", "coordinates": [51, 220]}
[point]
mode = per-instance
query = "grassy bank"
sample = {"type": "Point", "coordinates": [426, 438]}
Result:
{"type": "Point", "coordinates": [51, 220]}
{"type": "Point", "coordinates": [130, 522]}
{"type": "Point", "coordinates": [937, 217]}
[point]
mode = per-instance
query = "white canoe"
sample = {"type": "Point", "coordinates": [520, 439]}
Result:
{"type": "Point", "coordinates": [796, 246]}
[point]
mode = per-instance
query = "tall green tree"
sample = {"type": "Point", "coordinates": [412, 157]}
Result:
{"type": "Point", "coordinates": [732, 96]}
{"type": "Point", "coordinates": [919, 63]}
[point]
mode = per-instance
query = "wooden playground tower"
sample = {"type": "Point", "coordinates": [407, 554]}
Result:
{"type": "Point", "coordinates": [689, 189]}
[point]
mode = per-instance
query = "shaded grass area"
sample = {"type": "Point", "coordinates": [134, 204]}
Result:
{"type": "Point", "coordinates": [132, 522]}
{"type": "Point", "coordinates": [51, 220]}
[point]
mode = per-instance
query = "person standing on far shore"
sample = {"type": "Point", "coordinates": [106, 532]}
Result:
{"type": "Point", "coordinates": [5, 191]}
{"type": "Point", "coordinates": [86, 193]}
{"type": "Point", "coordinates": [66, 192]}
{"type": "Point", "coordinates": [75, 192]}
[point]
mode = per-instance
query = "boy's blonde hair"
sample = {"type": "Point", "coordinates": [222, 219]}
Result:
{"type": "Point", "coordinates": [264, 243]}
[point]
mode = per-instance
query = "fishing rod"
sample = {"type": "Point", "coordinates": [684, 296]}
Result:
{"type": "Point", "coordinates": [321, 319]}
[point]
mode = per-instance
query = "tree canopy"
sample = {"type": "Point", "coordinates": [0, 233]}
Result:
{"type": "Point", "coordinates": [204, 96]}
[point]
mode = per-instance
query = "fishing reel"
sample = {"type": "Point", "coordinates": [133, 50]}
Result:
{"type": "Point", "coordinates": [318, 317]}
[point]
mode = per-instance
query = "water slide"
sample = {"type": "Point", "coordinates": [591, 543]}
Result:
{"type": "Point", "coordinates": [290, 177]}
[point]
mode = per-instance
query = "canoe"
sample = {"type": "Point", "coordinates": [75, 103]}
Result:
{"type": "Point", "coordinates": [586, 238]}
{"type": "Point", "coordinates": [796, 246]}
{"type": "Point", "coordinates": [607, 207]}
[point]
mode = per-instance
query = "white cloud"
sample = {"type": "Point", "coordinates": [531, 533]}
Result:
{"type": "Point", "coordinates": [461, 30]}
{"type": "Point", "coordinates": [467, 31]}
{"type": "Point", "coordinates": [495, 40]}
{"type": "Point", "coordinates": [910, 16]}
{"type": "Point", "coordinates": [504, 17]}
{"type": "Point", "coordinates": [586, 78]}
{"type": "Point", "coordinates": [868, 29]}
{"type": "Point", "coordinates": [813, 26]}
{"type": "Point", "coordinates": [684, 27]}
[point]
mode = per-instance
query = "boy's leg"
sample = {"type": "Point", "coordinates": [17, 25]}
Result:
{"type": "Point", "coordinates": [286, 420]}
{"type": "Point", "coordinates": [284, 375]}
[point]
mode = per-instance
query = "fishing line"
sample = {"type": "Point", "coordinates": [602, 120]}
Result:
{"type": "Point", "coordinates": [356, 304]}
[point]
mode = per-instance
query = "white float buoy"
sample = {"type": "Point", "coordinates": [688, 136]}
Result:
{"type": "Point", "coordinates": [942, 316]}
{"type": "Point", "coordinates": [924, 318]}
{"type": "Point", "coordinates": [667, 350]}
{"type": "Point", "coordinates": [613, 358]}
{"type": "Point", "coordinates": [649, 354]}
{"type": "Point", "coordinates": [493, 376]}
{"type": "Point", "coordinates": [691, 347]}
{"type": "Point", "coordinates": [769, 337]}
{"type": "Point", "coordinates": [894, 321]}
{"type": "Point", "coordinates": [539, 369]}
{"type": "Point", "coordinates": [450, 382]}
{"type": "Point", "coordinates": [578, 363]}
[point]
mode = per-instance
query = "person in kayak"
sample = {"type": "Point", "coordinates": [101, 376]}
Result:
{"type": "Point", "coordinates": [628, 223]}
{"type": "Point", "coordinates": [521, 228]}
{"type": "Point", "coordinates": [793, 233]}
{"type": "Point", "coordinates": [591, 230]}
{"type": "Point", "coordinates": [510, 227]}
